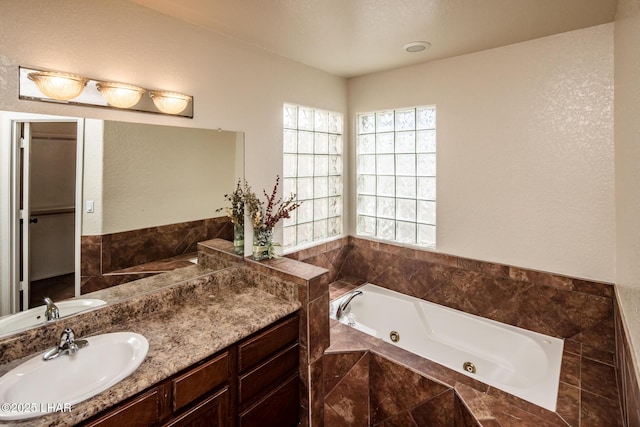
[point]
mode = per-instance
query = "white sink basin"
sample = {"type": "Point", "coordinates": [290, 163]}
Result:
{"type": "Point", "coordinates": [35, 316]}
{"type": "Point", "coordinates": [38, 387]}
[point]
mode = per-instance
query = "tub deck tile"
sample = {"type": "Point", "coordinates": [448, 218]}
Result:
{"type": "Point", "coordinates": [598, 411]}
{"type": "Point", "coordinates": [570, 371]}
{"type": "Point", "coordinates": [568, 406]}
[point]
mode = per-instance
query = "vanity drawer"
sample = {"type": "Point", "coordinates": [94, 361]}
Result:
{"type": "Point", "coordinates": [212, 412]}
{"type": "Point", "coordinates": [266, 343]}
{"type": "Point", "coordinates": [142, 411]}
{"type": "Point", "coordinates": [268, 373]}
{"type": "Point", "coordinates": [200, 380]}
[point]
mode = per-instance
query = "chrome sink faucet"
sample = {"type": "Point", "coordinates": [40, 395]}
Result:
{"type": "Point", "coordinates": [344, 308]}
{"type": "Point", "coordinates": [68, 345]}
{"type": "Point", "coordinates": [52, 312]}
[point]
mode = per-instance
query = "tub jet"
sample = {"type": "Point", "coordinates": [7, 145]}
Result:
{"type": "Point", "coordinates": [469, 367]}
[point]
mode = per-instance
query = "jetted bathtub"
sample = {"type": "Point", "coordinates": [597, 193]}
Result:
{"type": "Point", "coordinates": [520, 362]}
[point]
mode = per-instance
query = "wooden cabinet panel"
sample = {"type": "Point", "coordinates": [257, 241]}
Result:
{"type": "Point", "coordinates": [212, 412]}
{"type": "Point", "coordinates": [266, 343]}
{"type": "Point", "coordinates": [143, 411]}
{"type": "Point", "coordinates": [279, 408]}
{"type": "Point", "coordinates": [211, 394]}
{"type": "Point", "coordinates": [269, 373]}
{"type": "Point", "coordinates": [198, 381]}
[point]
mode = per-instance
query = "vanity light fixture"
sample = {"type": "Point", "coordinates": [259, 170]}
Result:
{"type": "Point", "coordinates": [169, 102]}
{"type": "Point", "coordinates": [59, 86]}
{"type": "Point", "coordinates": [72, 89]}
{"type": "Point", "coordinates": [120, 95]}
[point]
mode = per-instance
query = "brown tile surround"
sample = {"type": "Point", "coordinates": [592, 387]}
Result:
{"type": "Point", "coordinates": [580, 311]}
{"type": "Point", "coordinates": [627, 383]}
{"type": "Point", "coordinates": [366, 389]}
{"type": "Point", "coordinates": [313, 294]}
{"type": "Point", "coordinates": [366, 382]}
{"type": "Point", "coordinates": [112, 259]}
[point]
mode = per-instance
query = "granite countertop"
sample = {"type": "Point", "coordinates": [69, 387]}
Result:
{"type": "Point", "coordinates": [180, 335]}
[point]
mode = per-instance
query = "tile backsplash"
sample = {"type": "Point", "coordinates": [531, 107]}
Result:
{"type": "Point", "coordinates": [578, 310]}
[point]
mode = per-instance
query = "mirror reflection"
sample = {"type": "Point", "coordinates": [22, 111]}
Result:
{"type": "Point", "coordinates": [104, 203]}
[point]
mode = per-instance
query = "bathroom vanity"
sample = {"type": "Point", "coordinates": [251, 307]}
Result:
{"type": "Point", "coordinates": [252, 383]}
{"type": "Point", "coordinates": [223, 350]}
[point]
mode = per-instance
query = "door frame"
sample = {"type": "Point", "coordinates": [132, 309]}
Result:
{"type": "Point", "coordinates": [10, 214]}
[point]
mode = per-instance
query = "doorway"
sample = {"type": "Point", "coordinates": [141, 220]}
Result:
{"type": "Point", "coordinates": [49, 166]}
{"type": "Point", "coordinates": [43, 216]}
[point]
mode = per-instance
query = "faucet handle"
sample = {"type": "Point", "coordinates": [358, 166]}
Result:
{"type": "Point", "coordinates": [67, 335]}
{"type": "Point", "coordinates": [67, 339]}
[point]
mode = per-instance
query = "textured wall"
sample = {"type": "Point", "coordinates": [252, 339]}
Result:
{"type": "Point", "coordinates": [236, 86]}
{"type": "Point", "coordinates": [627, 154]}
{"type": "Point", "coordinates": [158, 175]}
{"type": "Point", "coordinates": [525, 149]}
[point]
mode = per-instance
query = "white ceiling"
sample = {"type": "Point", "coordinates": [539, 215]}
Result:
{"type": "Point", "coordinates": [355, 37]}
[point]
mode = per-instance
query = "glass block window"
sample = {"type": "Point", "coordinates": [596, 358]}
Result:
{"type": "Point", "coordinates": [312, 163]}
{"type": "Point", "coordinates": [396, 175]}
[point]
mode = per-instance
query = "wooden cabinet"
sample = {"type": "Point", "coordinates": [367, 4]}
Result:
{"type": "Point", "coordinates": [212, 412]}
{"type": "Point", "coordinates": [268, 381]}
{"type": "Point", "coordinates": [277, 408]}
{"type": "Point", "coordinates": [142, 411]}
{"type": "Point", "coordinates": [252, 383]}
{"type": "Point", "coordinates": [256, 348]}
{"type": "Point", "coordinates": [198, 381]}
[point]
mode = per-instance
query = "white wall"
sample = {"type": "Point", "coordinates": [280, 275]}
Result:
{"type": "Point", "coordinates": [92, 176]}
{"type": "Point", "coordinates": [236, 87]}
{"type": "Point", "coordinates": [627, 155]}
{"type": "Point", "coordinates": [525, 162]}
{"type": "Point", "coordinates": [52, 245]}
{"type": "Point", "coordinates": [52, 187]}
{"type": "Point", "coordinates": [525, 149]}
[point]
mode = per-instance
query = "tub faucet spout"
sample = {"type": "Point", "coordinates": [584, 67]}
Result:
{"type": "Point", "coordinates": [344, 308]}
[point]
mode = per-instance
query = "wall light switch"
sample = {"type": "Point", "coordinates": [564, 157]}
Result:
{"type": "Point", "coordinates": [89, 206]}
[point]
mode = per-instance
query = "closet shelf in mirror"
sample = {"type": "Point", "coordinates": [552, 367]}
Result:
{"type": "Point", "coordinates": [52, 211]}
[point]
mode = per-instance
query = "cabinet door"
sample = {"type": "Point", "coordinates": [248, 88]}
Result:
{"type": "Point", "coordinates": [280, 408]}
{"type": "Point", "coordinates": [143, 411]}
{"type": "Point", "coordinates": [268, 374]}
{"type": "Point", "coordinates": [212, 412]}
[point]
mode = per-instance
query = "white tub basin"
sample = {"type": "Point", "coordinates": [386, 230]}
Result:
{"type": "Point", "coordinates": [38, 387]}
{"type": "Point", "coordinates": [521, 362]}
{"type": "Point", "coordinates": [35, 316]}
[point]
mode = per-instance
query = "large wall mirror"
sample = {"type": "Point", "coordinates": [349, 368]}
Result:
{"type": "Point", "coordinates": [90, 204]}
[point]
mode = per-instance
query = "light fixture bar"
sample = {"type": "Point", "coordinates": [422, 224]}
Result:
{"type": "Point", "coordinates": [100, 93]}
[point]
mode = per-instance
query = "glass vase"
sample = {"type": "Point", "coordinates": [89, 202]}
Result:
{"type": "Point", "coordinates": [263, 243]}
{"type": "Point", "coordinates": [238, 239]}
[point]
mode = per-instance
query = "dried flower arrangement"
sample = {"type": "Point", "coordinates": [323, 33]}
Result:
{"type": "Point", "coordinates": [265, 219]}
{"type": "Point", "coordinates": [236, 211]}
{"type": "Point", "coordinates": [236, 214]}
